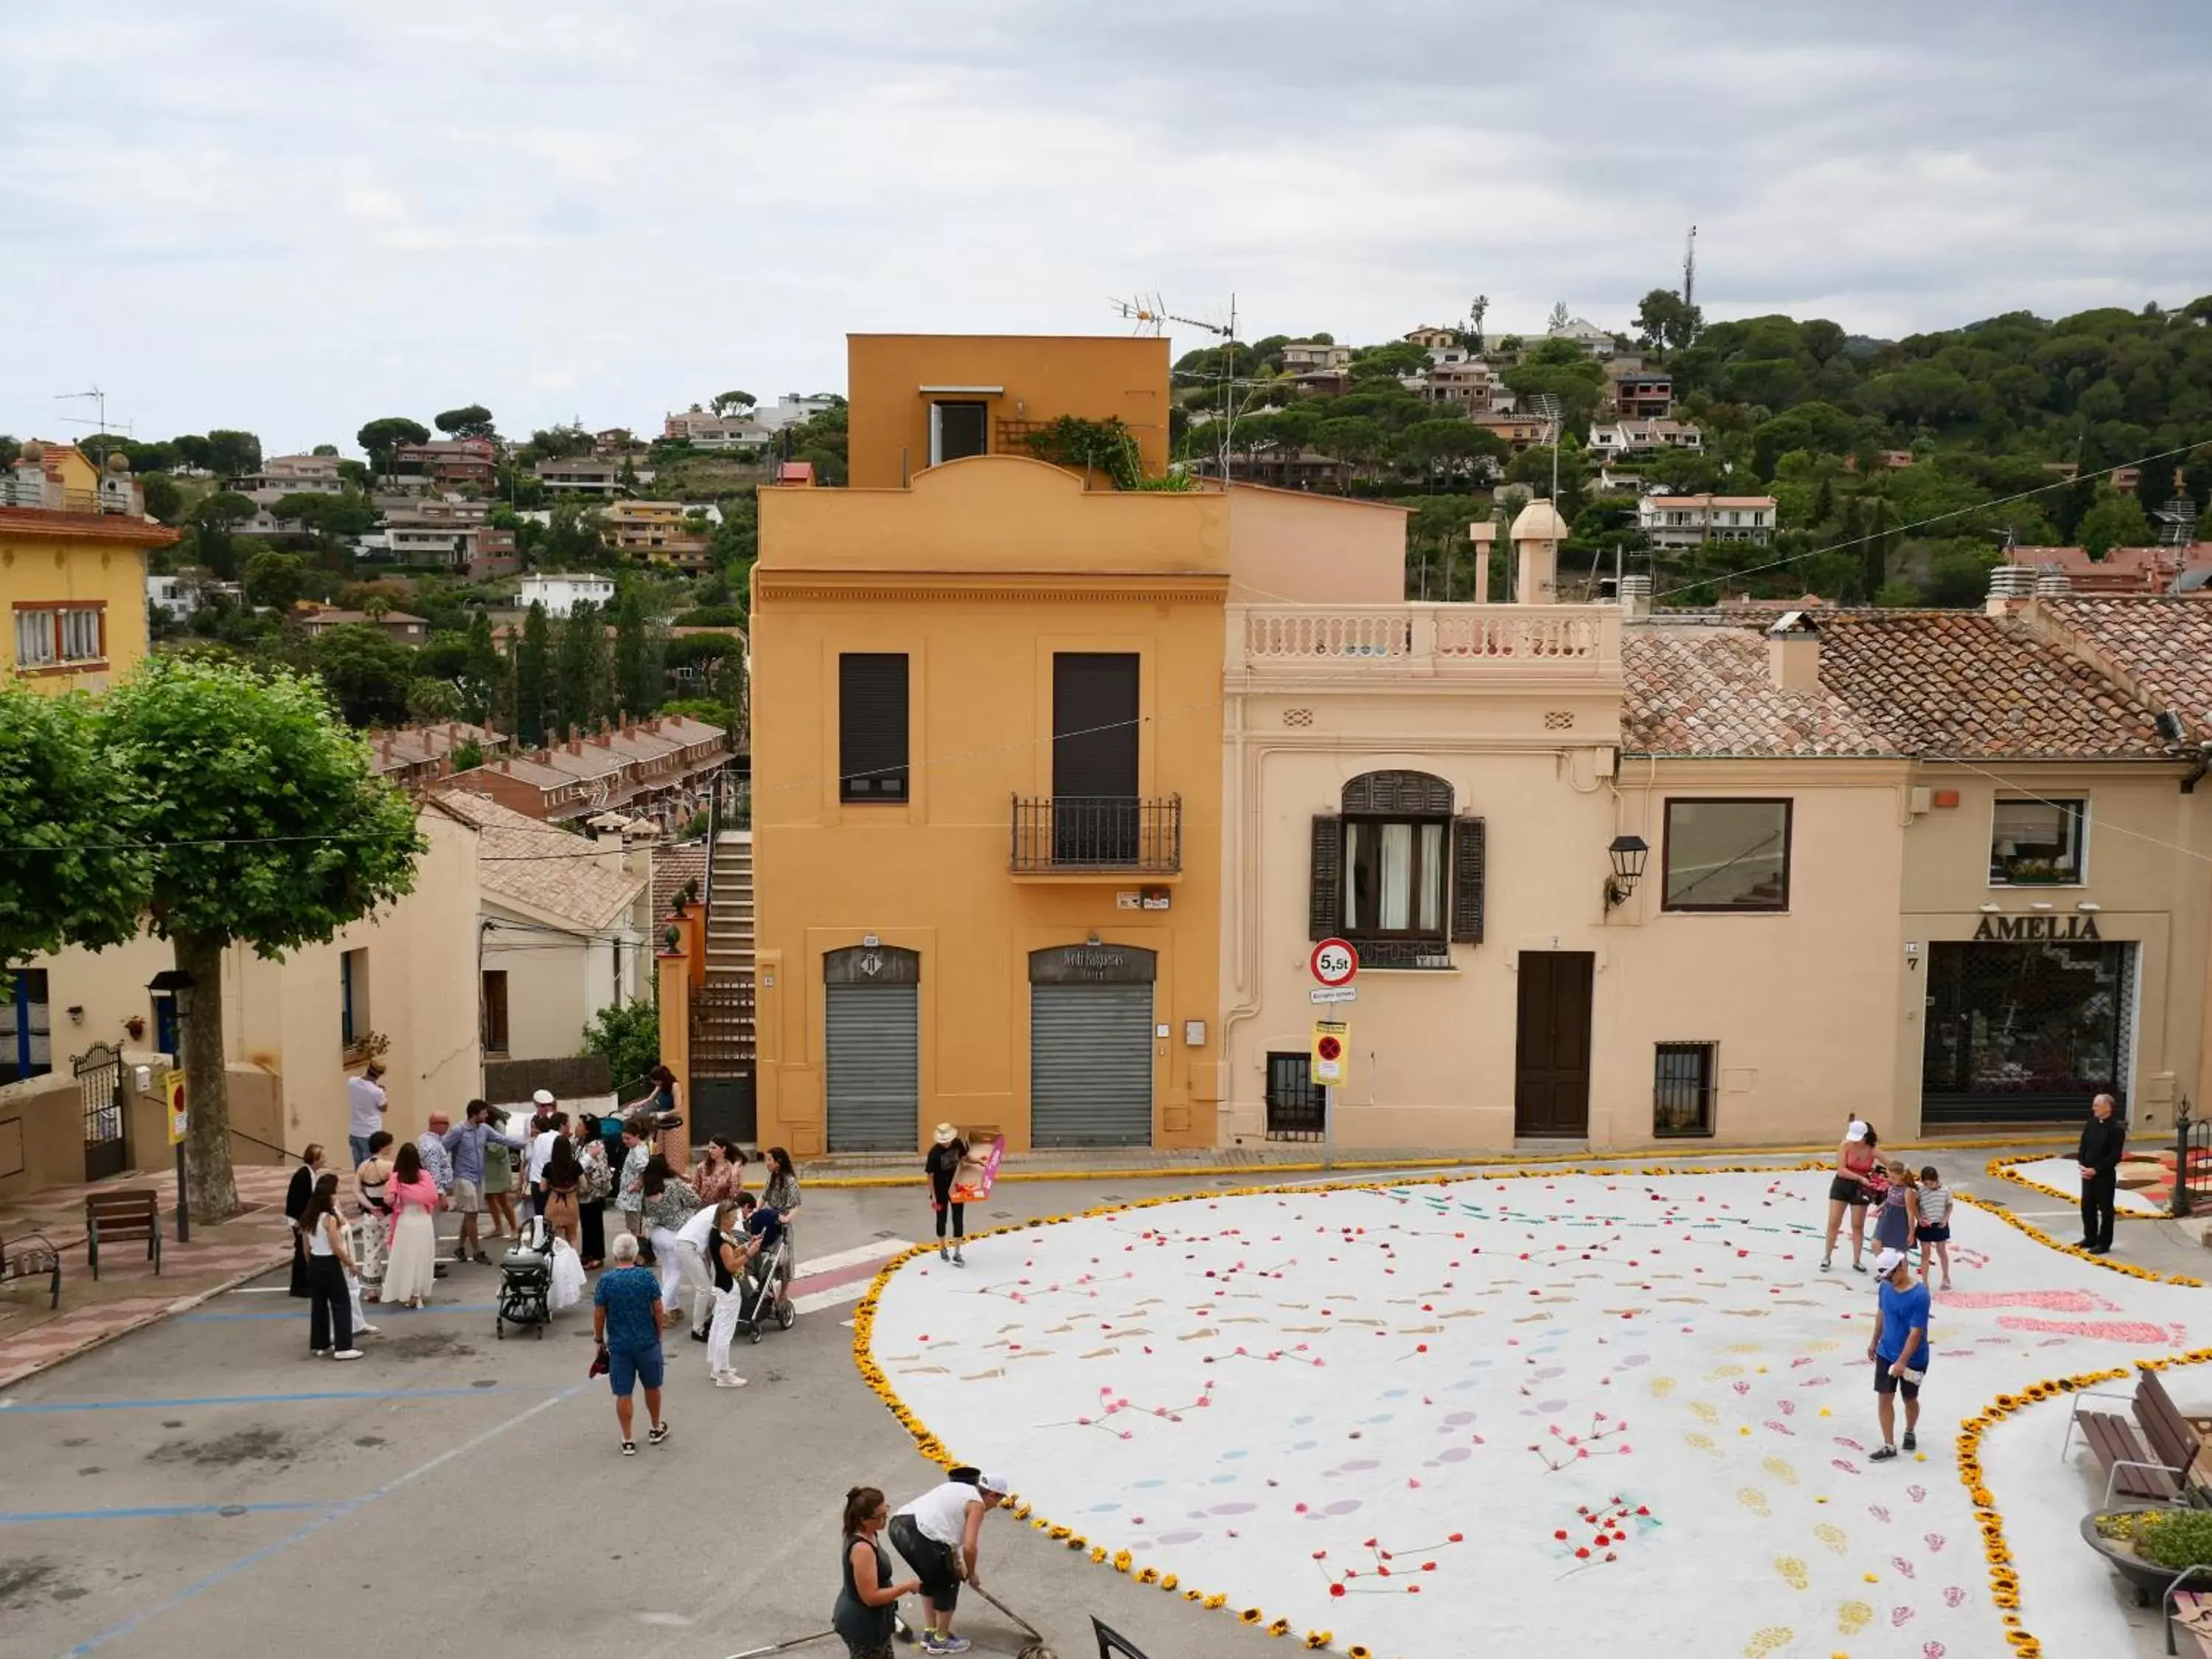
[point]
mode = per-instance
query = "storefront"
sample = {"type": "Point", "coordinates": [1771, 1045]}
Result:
{"type": "Point", "coordinates": [2026, 1021]}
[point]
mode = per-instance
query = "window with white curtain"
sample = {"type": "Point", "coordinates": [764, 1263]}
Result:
{"type": "Point", "coordinates": [1394, 877]}
{"type": "Point", "coordinates": [80, 632]}
{"type": "Point", "coordinates": [35, 638]}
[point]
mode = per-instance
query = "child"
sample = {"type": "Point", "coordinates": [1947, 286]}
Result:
{"type": "Point", "coordinates": [1899, 1215]}
{"type": "Point", "coordinates": [1934, 1230]}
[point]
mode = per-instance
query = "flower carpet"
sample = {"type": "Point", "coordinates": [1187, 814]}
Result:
{"type": "Point", "coordinates": [1508, 1413]}
{"type": "Point", "coordinates": [2060, 1177]}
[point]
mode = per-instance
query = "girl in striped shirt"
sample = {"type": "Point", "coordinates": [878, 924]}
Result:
{"type": "Point", "coordinates": [1935, 1230]}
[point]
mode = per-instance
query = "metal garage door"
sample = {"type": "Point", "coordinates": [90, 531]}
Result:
{"type": "Point", "coordinates": [1091, 1055]}
{"type": "Point", "coordinates": [873, 1052]}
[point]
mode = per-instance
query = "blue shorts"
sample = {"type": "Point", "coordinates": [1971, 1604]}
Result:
{"type": "Point", "coordinates": [627, 1368]}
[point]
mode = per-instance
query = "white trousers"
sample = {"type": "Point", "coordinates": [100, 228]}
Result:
{"type": "Point", "coordinates": [683, 1264]}
{"type": "Point", "coordinates": [728, 1304]}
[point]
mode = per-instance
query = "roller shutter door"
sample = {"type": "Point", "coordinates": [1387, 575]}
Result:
{"type": "Point", "coordinates": [1091, 1065]}
{"type": "Point", "coordinates": [874, 1069]}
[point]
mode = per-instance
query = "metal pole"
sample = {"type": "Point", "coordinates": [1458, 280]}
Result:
{"type": "Point", "coordinates": [2180, 1202]}
{"type": "Point", "coordinates": [1328, 1128]}
{"type": "Point", "coordinates": [183, 1192]}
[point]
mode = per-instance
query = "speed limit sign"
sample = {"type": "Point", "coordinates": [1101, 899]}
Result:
{"type": "Point", "coordinates": [1333, 962]}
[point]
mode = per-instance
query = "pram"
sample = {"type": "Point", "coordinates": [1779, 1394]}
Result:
{"type": "Point", "coordinates": [526, 1280]}
{"type": "Point", "coordinates": [770, 1274]}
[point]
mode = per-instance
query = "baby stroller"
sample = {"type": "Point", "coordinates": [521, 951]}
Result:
{"type": "Point", "coordinates": [525, 1280]}
{"type": "Point", "coordinates": [770, 1276]}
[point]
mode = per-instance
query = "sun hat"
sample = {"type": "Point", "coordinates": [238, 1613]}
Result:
{"type": "Point", "coordinates": [994, 1483]}
{"type": "Point", "coordinates": [1887, 1263]}
{"type": "Point", "coordinates": [543, 1097]}
{"type": "Point", "coordinates": [947, 1135]}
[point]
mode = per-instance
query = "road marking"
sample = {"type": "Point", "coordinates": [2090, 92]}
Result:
{"type": "Point", "coordinates": [836, 1297]}
{"type": "Point", "coordinates": [262, 1289]}
{"type": "Point", "coordinates": [11, 1409]}
{"type": "Point", "coordinates": [382, 1311]}
{"type": "Point", "coordinates": [224, 1574]}
{"type": "Point", "coordinates": [875, 1251]}
{"type": "Point", "coordinates": [153, 1512]}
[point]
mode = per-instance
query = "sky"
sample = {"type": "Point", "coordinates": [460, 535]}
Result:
{"type": "Point", "coordinates": [294, 216]}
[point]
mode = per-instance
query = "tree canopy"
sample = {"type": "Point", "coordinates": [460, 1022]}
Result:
{"type": "Point", "coordinates": [68, 876]}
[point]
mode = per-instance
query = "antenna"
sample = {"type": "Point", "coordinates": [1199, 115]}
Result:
{"type": "Point", "coordinates": [99, 404]}
{"type": "Point", "coordinates": [1548, 406]}
{"type": "Point", "coordinates": [1152, 316]}
{"type": "Point", "coordinates": [1690, 270]}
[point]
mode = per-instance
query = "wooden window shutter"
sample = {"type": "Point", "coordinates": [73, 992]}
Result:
{"type": "Point", "coordinates": [1469, 857]}
{"type": "Point", "coordinates": [1325, 909]}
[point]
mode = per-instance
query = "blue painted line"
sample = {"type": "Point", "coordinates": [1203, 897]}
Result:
{"type": "Point", "coordinates": [245, 1562]}
{"type": "Point", "coordinates": [310, 1398]}
{"type": "Point", "coordinates": [382, 1312]}
{"type": "Point", "coordinates": [153, 1512]}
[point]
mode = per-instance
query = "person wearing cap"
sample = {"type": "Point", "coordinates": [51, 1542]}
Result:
{"type": "Point", "coordinates": [942, 1163]}
{"type": "Point", "coordinates": [1855, 1161]}
{"type": "Point", "coordinates": [541, 1146]}
{"type": "Point", "coordinates": [940, 1535]}
{"type": "Point", "coordinates": [366, 1105]}
{"type": "Point", "coordinates": [1900, 1350]}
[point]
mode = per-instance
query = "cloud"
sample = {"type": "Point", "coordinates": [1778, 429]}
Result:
{"type": "Point", "coordinates": [296, 216]}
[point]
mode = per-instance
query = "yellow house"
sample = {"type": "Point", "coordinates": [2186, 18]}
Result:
{"type": "Point", "coordinates": [72, 569]}
{"type": "Point", "coordinates": [987, 783]}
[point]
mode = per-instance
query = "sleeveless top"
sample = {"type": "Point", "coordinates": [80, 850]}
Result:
{"type": "Point", "coordinates": [319, 1239]}
{"type": "Point", "coordinates": [1859, 1160]}
{"type": "Point", "coordinates": [372, 1195]}
{"type": "Point", "coordinates": [724, 1280]}
{"type": "Point", "coordinates": [860, 1624]}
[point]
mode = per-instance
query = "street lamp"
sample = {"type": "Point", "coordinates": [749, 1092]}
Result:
{"type": "Point", "coordinates": [1628, 854]}
{"type": "Point", "coordinates": [177, 986]}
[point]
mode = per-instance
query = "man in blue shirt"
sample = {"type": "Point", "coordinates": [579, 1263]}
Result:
{"type": "Point", "coordinates": [1900, 1350]}
{"type": "Point", "coordinates": [626, 1321]}
{"type": "Point", "coordinates": [466, 1147]}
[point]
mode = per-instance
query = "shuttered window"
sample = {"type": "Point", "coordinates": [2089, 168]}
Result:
{"type": "Point", "coordinates": [871, 726]}
{"type": "Point", "coordinates": [1470, 855]}
{"type": "Point", "coordinates": [1383, 886]}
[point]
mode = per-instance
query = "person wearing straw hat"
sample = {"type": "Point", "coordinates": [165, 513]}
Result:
{"type": "Point", "coordinates": [942, 1163]}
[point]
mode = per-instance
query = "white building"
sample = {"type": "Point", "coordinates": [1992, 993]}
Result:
{"type": "Point", "coordinates": [1613, 439]}
{"type": "Point", "coordinates": [582, 475]}
{"type": "Point", "coordinates": [1688, 520]}
{"type": "Point", "coordinates": [790, 409]}
{"type": "Point", "coordinates": [560, 595]}
{"type": "Point", "coordinates": [182, 595]}
{"type": "Point", "coordinates": [1598, 342]}
{"type": "Point", "coordinates": [291, 474]}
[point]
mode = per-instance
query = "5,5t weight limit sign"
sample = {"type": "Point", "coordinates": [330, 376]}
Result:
{"type": "Point", "coordinates": [1333, 962]}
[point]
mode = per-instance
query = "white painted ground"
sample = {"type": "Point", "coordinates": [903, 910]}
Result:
{"type": "Point", "coordinates": [2065, 1174]}
{"type": "Point", "coordinates": [1278, 1396]}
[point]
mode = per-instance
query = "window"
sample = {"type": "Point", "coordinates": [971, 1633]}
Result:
{"type": "Point", "coordinates": [35, 638]}
{"type": "Point", "coordinates": [871, 726]}
{"type": "Point", "coordinates": [1394, 877]}
{"type": "Point", "coordinates": [956, 429]}
{"type": "Point", "coordinates": [1397, 873]}
{"type": "Point", "coordinates": [81, 633]}
{"type": "Point", "coordinates": [1294, 1100]}
{"type": "Point", "coordinates": [48, 635]}
{"type": "Point", "coordinates": [26, 1030]}
{"type": "Point", "coordinates": [2037, 844]}
{"type": "Point", "coordinates": [353, 999]}
{"type": "Point", "coordinates": [1727, 856]}
{"type": "Point", "coordinates": [495, 1012]}
{"type": "Point", "coordinates": [1682, 1089]}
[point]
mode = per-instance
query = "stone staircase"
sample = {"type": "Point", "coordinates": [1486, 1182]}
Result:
{"type": "Point", "coordinates": [722, 1037]}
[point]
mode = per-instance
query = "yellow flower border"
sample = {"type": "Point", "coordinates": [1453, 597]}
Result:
{"type": "Point", "coordinates": [2001, 1169]}
{"type": "Point", "coordinates": [2004, 1582]}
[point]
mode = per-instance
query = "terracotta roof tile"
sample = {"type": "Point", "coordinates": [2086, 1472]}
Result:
{"type": "Point", "coordinates": [674, 864]}
{"type": "Point", "coordinates": [549, 870]}
{"type": "Point", "coordinates": [2163, 645]}
{"type": "Point", "coordinates": [1706, 690]}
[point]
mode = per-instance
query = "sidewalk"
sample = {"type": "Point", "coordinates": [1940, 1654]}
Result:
{"type": "Point", "coordinates": [127, 1294]}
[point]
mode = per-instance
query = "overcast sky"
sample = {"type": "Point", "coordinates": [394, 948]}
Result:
{"type": "Point", "coordinates": [292, 216]}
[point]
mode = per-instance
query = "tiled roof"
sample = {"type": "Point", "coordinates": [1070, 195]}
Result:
{"type": "Point", "coordinates": [674, 863]}
{"type": "Point", "coordinates": [2163, 645]}
{"type": "Point", "coordinates": [1706, 690]}
{"type": "Point", "coordinates": [549, 870]}
{"type": "Point", "coordinates": [1965, 684]}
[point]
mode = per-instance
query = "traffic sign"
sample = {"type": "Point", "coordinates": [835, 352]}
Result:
{"type": "Point", "coordinates": [173, 1092]}
{"type": "Point", "coordinates": [1334, 961]}
{"type": "Point", "coordinates": [1326, 993]}
{"type": "Point", "coordinates": [1332, 1056]}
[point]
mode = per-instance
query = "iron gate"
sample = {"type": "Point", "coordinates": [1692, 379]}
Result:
{"type": "Point", "coordinates": [2023, 1032]}
{"type": "Point", "coordinates": [1295, 1109]}
{"type": "Point", "coordinates": [2192, 1162]}
{"type": "Point", "coordinates": [100, 1087]}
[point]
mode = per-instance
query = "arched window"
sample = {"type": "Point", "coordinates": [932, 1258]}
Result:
{"type": "Point", "coordinates": [1395, 872]}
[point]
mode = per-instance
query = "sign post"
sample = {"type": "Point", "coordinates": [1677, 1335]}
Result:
{"type": "Point", "coordinates": [1334, 965]}
{"type": "Point", "coordinates": [180, 1114]}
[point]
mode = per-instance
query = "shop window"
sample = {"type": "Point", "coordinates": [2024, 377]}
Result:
{"type": "Point", "coordinates": [26, 1026]}
{"type": "Point", "coordinates": [2037, 844]}
{"type": "Point", "coordinates": [1294, 1099]}
{"type": "Point", "coordinates": [871, 726]}
{"type": "Point", "coordinates": [1727, 856]}
{"type": "Point", "coordinates": [1682, 1089]}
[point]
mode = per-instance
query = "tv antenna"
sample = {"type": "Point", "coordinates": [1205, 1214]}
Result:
{"type": "Point", "coordinates": [1151, 315]}
{"type": "Point", "coordinates": [1690, 270]}
{"type": "Point", "coordinates": [100, 407]}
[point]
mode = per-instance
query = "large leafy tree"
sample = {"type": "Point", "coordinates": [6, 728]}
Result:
{"type": "Point", "coordinates": [533, 677]}
{"type": "Point", "coordinates": [469, 420]}
{"type": "Point", "coordinates": [381, 436]}
{"type": "Point", "coordinates": [68, 876]}
{"type": "Point", "coordinates": [369, 672]}
{"type": "Point", "coordinates": [579, 670]}
{"type": "Point", "coordinates": [263, 825]}
{"type": "Point", "coordinates": [638, 655]}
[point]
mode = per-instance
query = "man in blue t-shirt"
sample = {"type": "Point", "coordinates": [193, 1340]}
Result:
{"type": "Point", "coordinates": [1900, 1350]}
{"type": "Point", "coordinates": [626, 1322]}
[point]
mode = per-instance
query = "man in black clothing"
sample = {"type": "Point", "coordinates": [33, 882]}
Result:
{"type": "Point", "coordinates": [2103, 1138]}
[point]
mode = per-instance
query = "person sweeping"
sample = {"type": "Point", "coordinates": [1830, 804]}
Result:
{"type": "Point", "coordinates": [940, 1535]}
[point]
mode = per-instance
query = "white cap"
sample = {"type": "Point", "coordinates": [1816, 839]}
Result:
{"type": "Point", "coordinates": [543, 1098]}
{"type": "Point", "coordinates": [994, 1483]}
{"type": "Point", "coordinates": [1857, 1131]}
{"type": "Point", "coordinates": [1887, 1263]}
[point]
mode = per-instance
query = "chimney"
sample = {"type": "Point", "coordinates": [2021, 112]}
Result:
{"type": "Point", "coordinates": [1482, 536]}
{"type": "Point", "coordinates": [1537, 533]}
{"type": "Point", "coordinates": [2009, 584]}
{"type": "Point", "coordinates": [575, 745]}
{"type": "Point", "coordinates": [1793, 653]}
{"type": "Point", "coordinates": [1635, 598]}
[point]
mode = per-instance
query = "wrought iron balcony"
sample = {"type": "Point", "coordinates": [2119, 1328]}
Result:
{"type": "Point", "coordinates": [1104, 835]}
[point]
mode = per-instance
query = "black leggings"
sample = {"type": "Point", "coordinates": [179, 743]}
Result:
{"type": "Point", "coordinates": [330, 1315]}
{"type": "Point", "coordinates": [959, 1214]}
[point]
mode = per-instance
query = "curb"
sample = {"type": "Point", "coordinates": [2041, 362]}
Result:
{"type": "Point", "coordinates": [183, 1305]}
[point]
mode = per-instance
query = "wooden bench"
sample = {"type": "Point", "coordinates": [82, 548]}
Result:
{"type": "Point", "coordinates": [121, 1217]}
{"type": "Point", "coordinates": [2193, 1613]}
{"type": "Point", "coordinates": [32, 1255]}
{"type": "Point", "coordinates": [2151, 1457]}
{"type": "Point", "coordinates": [2171, 1438]}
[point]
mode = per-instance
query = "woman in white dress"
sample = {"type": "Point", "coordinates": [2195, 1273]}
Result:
{"type": "Point", "coordinates": [410, 1268]}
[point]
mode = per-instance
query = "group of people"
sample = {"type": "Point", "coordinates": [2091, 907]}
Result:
{"type": "Point", "coordinates": [1908, 1209]}
{"type": "Point", "coordinates": [939, 1534]}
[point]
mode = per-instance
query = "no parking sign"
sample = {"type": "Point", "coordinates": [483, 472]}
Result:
{"type": "Point", "coordinates": [1332, 1052]}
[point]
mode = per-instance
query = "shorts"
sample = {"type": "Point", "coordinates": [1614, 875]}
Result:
{"type": "Point", "coordinates": [937, 1565]}
{"type": "Point", "coordinates": [628, 1367]}
{"type": "Point", "coordinates": [1884, 1383]}
{"type": "Point", "coordinates": [1844, 1190]}
{"type": "Point", "coordinates": [467, 1198]}
{"type": "Point", "coordinates": [1935, 1235]}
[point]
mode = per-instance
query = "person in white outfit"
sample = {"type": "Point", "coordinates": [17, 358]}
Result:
{"type": "Point", "coordinates": [694, 1243]}
{"type": "Point", "coordinates": [730, 1251]}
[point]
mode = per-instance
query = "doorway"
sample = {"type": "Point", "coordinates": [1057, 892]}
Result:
{"type": "Point", "coordinates": [872, 1059]}
{"type": "Point", "coordinates": [956, 431]}
{"type": "Point", "coordinates": [1095, 697]}
{"type": "Point", "coordinates": [1551, 1053]}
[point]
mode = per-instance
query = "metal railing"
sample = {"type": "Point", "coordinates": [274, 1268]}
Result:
{"type": "Point", "coordinates": [1075, 833]}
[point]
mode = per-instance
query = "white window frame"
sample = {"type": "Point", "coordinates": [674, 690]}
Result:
{"type": "Point", "coordinates": [2083, 815]}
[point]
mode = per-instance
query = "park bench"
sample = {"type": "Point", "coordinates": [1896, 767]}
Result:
{"type": "Point", "coordinates": [32, 1255]}
{"type": "Point", "coordinates": [2153, 1457]}
{"type": "Point", "coordinates": [122, 1217]}
{"type": "Point", "coordinates": [1112, 1646]}
{"type": "Point", "coordinates": [2193, 1613]}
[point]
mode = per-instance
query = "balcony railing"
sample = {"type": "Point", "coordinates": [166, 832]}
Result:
{"type": "Point", "coordinates": [1559, 641]}
{"type": "Point", "coordinates": [1077, 834]}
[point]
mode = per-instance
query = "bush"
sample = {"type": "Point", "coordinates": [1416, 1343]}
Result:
{"type": "Point", "coordinates": [2175, 1540]}
{"type": "Point", "coordinates": [629, 1037]}
{"type": "Point", "coordinates": [707, 615]}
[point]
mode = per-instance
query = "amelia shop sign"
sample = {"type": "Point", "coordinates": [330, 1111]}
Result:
{"type": "Point", "coordinates": [2037, 927]}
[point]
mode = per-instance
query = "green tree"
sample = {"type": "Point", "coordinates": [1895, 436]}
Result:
{"type": "Point", "coordinates": [2116, 521]}
{"type": "Point", "coordinates": [579, 670]}
{"type": "Point", "coordinates": [533, 678]}
{"type": "Point", "coordinates": [65, 880]}
{"type": "Point", "coordinates": [558, 443]}
{"type": "Point", "coordinates": [367, 671]}
{"type": "Point", "coordinates": [266, 827]}
{"type": "Point", "coordinates": [429, 701]}
{"type": "Point", "coordinates": [276, 580]}
{"type": "Point", "coordinates": [635, 692]}
{"type": "Point", "coordinates": [628, 1036]}
{"type": "Point", "coordinates": [231, 454]}
{"type": "Point", "coordinates": [1663, 323]}
{"type": "Point", "coordinates": [483, 673]}
{"type": "Point", "coordinates": [726, 401]}
{"type": "Point", "coordinates": [381, 436]}
{"type": "Point", "coordinates": [164, 500]}
{"type": "Point", "coordinates": [469, 420]}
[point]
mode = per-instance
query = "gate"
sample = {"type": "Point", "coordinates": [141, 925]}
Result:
{"type": "Point", "coordinates": [100, 1087]}
{"type": "Point", "coordinates": [2192, 1162]}
{"type": "Point", "coordinates": [1090, 1045]}
{"type": "Point", "coordinates": [872, 1048]}
{"type": "Point", "coordinates": [723, 1100]}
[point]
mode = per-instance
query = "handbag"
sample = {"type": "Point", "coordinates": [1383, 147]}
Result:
{"type": "Point", "coordinates": [602, 1363]}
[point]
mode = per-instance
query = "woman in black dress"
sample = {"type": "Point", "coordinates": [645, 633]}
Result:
{"type": "Point", "coordinates": [295, 1205]}
{"type": "Point", "coordinates": [942, 1163]}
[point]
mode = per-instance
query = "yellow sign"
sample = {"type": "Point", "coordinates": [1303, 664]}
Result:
{"type": "Point", "coordinates": [173, 1091]}
{"type": "Point", "coordinates": [1332, 1052]}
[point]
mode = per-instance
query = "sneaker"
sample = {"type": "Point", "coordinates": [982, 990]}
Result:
{"type": "Point", "coordinates": [729, 1380]}
{"type": "Point", "coordinates": [958, 1260]}
{"type": "Point", "coordinates": [660, 1433]}
{"type": "Point", "coordinates": [319, 1353]}
{"type": "Point", "coordinates": [951, 1644]}
{"type": "Point", "coordinates": [347, 1353]}
{"type": "Point", "coordinates": [1881, 1454]}
{"type": "Point", "coordinates": [944, 1254]}
{"type": "Point", "coordinates": [1911, 1440]}
{"type": "Point", "coordinates": [629, 1448]}
{"type": "Point", "coordinates": [366, 1330]}
{"type": "Point", "coordinates": [482, 1259]}
{"type": "Point", "coordinates": [1858, 1266]}
{"type": "Point", "coordinates": [1827, 1263]}
{"type": "Point", "coordinates": [699, 1333]}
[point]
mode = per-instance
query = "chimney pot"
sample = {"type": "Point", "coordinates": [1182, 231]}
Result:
{"type": "Point", "coordinates": [1793, 653]}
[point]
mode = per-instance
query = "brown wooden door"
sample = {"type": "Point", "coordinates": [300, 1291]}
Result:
{"type": "Point", "coordinates": [1551, 1064]}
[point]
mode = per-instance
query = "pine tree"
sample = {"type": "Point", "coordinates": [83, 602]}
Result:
{"type": "Point", "coordinates": [533, 677]}
{"type": "Point", "coordinates": [637, 672]}
{"type": "Point", "coordinates": [482, 672]}
{"type": "Point", "coordinates": [579, 670]}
